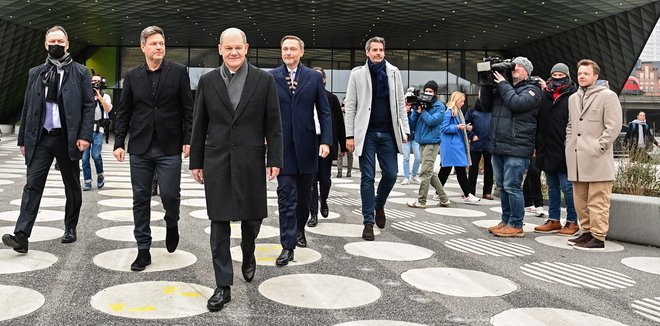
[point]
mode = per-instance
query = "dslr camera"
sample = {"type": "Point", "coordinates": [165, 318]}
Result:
{"type": "Point", "coordinates": [100, 85]}
{"type": "Point", "coordinates": [490, 65]}
{"type": "Point", "coordinates": [422, 100]}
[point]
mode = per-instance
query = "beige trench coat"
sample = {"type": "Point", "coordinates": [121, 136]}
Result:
{"type": "Point", "coordinates": [594, 122]}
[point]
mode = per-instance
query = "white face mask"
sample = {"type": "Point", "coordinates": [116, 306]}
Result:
{"type": "Point", "coordinates": [429, 93]}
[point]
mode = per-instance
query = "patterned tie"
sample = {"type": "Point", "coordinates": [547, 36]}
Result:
{"type": "Point", "coordinates": [48, 121]}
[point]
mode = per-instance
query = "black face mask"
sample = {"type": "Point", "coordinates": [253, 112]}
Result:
{"type": "Point", "coordinates": [557, 82]}
{"type": "Point", "coordinates": [56, 51]}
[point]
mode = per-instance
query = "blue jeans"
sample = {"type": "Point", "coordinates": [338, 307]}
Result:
{"type": "Point", "coordinates": [509, 172]}
{"type": "Point", "coordinates": [383, 146]}
{"type": "Point", "coordinates": [406, 158]}
{"type": "Point", "coordinates": [557, 182]}
{"type": "Point", "coordinates": [95, 149]}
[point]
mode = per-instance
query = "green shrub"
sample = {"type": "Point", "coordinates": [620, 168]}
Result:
{"type": "Point", "coordinates": [637, 176]}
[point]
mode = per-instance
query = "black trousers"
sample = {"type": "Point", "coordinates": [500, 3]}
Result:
{"type": "Point", "coordinates": [220, 242]}
{"type": "Point", "coordinates": [321, 182]}
{"type": "Point", "coordinates": [461, 175]}
{"type": "Point", "coordinates": [474, 173]}
{"type": "Point", "coordinates": [47, 148]}
{"type": "Point", "coordinates": [293, 193]}
{"type": "Point", "coordinates": [532, 186]}
{"type": "Point", "coordinates": [168, 170]}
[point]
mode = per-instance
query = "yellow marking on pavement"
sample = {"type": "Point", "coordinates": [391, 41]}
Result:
{"type": "Point", "coordinates": [169, 289]}
{"type": "Point", "coordinates": [117, 307]}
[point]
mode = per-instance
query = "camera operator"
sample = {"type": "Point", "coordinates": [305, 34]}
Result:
{"type": "Point", "coordinates": [103, 106]}
{"type": "Point", "coordinates": [514, 106]}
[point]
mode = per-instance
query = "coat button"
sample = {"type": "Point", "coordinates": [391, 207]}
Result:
{"type": "Point", "coordinates": [580, 119]}
{"type": "Point", "coordinates": [579, 135]}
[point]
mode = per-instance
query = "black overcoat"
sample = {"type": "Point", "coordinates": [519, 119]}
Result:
{"type": "Point", "coordinates": [229, 145]}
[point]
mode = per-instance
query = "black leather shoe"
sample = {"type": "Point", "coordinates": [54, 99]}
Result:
{"type": "Point", "coordinates": [324, 208]}
{"type": "Point", "coordinates": [285, 257]}
{"type": "Point", "coordinates": [249, 267]}
{"type": "Point", "coordinates": [69, 236]}
{"type": "Point", "coordinates": [302, 240]}
{"type": "Point", "coordinates": [221, 296]}
{"type": "Point", "coordinates": [313, 221]}
{"type": "Point", "coordinates": [172, 239]}
{"type": "Point", "coordinates": [380, 218]}
{"type": "Point", "coordinates": [142, 261]}
{"type": "Point", "coordinates": [18, 243]}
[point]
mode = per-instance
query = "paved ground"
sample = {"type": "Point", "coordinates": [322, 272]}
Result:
{"type": "Point", "coordinates": [437, 266]}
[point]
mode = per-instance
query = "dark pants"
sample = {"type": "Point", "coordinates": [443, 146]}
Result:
{"type": "Point", "coordinates": [220, 242]}
{"type": "Point", "coordinates": [532, 186]}
{"type": "Point", "coordinates": [474, 173]}
{"type": "Point", "coordinates": [293, 192]}
{"type": "Point", "coordinates": [47, 148]}
{"type": "Point", "coordinates": [321, 182]}
{"type": "Point", "coordinates": [168, 170]}
{"type": "Point", "coordinates": [461, 175]}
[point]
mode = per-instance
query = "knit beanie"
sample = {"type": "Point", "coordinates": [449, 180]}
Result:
{"type": "Point", "coordinates": [432, 85]}
{"type": "Point", "coordinates": [525, 63]}
{"type": "Point", "coordinates": [560, 67]}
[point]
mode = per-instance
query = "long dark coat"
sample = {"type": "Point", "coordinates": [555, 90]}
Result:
{"type": "Point", "coordinates": [551, 131]}
{"type": "Point", "coordinates": [76, 109]}
{"type": "Point", "coordinates": [229, 145]}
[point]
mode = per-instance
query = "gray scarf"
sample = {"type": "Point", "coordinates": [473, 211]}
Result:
{"type": "Point", "coordinates": [461, 117]}
{"type": "Point", "coordinates": [640, 133]}
{"type": "Point", "coordinates": [234, 83]}
{"type": "Point", "coordinates": [52, 78]}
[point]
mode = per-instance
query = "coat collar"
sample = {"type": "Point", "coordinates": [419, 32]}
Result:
{"type": "Point", "coordinates": [164, 70]}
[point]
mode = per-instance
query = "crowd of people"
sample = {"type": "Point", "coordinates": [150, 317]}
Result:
{"type": "Point", "coordinates": [242, 114]}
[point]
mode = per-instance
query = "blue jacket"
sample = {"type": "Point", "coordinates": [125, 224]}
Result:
{"type": "Point", "coordinates": [427, 125]}
{"type": "Point", "coordinates": [453, 150]}
{"type": "Point", "coordinates": [480, 127]}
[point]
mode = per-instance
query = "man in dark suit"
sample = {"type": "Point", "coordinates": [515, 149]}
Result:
{"type": "Point", "coordinates": [236, 109]}
{"type": "Point", "coordinates": [301, 94]}
{"type": "Point", "coordinates": [156, 105]}
{"type": "Point", "coordinates": [57, 119]}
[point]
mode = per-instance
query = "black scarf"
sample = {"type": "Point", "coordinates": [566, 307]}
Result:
{"type": "Point", "coordinates": [381, 78]}
{"type": "Point", "coordinates": [52, 78]}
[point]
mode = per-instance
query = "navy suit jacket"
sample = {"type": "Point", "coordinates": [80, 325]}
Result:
{"type": "Point", "coordinates": [301, 147]}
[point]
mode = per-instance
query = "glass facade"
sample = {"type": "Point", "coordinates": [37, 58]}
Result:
{"type": "Point", "coordinates": [453, 70]}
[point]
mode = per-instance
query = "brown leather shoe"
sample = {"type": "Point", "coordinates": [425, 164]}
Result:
{"type": "Point", "coordinates": [591, 245]}
{"type": "Point", "coordinates": [368, 232]}
{"type": "Point", "coordinates": [509, 232]}
{"type": "Point", "coordinates": [550, 226]}
{"type": "Point", "coordinates": [496, 227]}
{"type": "Point", "coordinates": [380, 218]}
{"type": "Point", "coordinates": [570, 229]}
{"type": "Point", "coordinates": [585, 237]}
{"type": "Point", "coordinates": [488, 196]}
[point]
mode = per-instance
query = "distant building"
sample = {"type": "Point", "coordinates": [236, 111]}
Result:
{"type": "Point", "coordinates": [651, 51]}
{"type": "Point", "coordinates": [647, 75]}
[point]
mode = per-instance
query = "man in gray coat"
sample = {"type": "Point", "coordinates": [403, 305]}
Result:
{"type": "Point", "coordinates": [236, 109]}
{"type": "Point", "coordinates": [376, 125]}
{"type": "Point", "coordinates": [57, 119]}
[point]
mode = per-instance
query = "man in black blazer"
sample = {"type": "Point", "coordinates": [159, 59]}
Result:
{"type": "Point", "coordinates": [302, 96]}
{"type": "Point", "coordinates": [156, 106]}
{"type": "Point", "coordinates": [236, 109]}
{"type": "Point", "coordinates": [57, 119]}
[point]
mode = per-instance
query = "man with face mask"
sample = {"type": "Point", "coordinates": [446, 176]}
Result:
{"type": "Point", "coordinates": [57, 119]}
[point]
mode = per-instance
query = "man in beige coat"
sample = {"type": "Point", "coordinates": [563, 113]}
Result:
{"type": "Point", "coordinates": [594, 122]}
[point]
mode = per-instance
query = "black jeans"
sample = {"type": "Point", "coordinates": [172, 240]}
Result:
{"type": "Point", "coordinates": [532, 186]}
{"type": "Point", "coordinates": [220, 242]}
{"type": "Point", "coordinates": [461, 175]}
{"type": "Point", "coordinates": [474, 173]}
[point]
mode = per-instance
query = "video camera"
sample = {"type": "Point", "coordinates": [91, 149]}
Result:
{"type": "Point", "coordinates": [100, 85]}
{"type": "Point", "coordinates": [490, 65]}
{"type": "Point", "coordinates": [423, 100]}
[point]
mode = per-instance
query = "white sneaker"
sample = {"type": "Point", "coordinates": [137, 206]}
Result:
{"type": "Point", "coordinates": [436, 197]}
{"type": "Point", "coordinates": [470, 198]}
{"type": "Point", "coordinates": [530, 209]}
{"type": "Point", "coordinates": [445, 203]}
{"type": "Point", "coordinates": [405, 181]}
{"type": "Point", "coordinates": [539, 211]}
{"type": "Point", "coordinates": [415, 204]}
{"type": "Point", "coordinates": [417, 179]}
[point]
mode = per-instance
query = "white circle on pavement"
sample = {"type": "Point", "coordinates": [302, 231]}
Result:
{"type": "Point", "coordinates": [45, 202]}
{"type": "Point", "coordinates": [11, 176]}
{"type": "Point", "coordinates": [125, 233]}
{"type": "Point", "coordinates": [126, 215]}
{"type": "Point", "coordinates": [194, 202]}
{"type": "Point", "coordinates": [456, 212]}
{"type": "Point", "coordinates": [340, 230]}
{"type": "Point", "coordinates": [193, 193]}
{"type": "Point", "coordinates": [459, 282]}
{"type": "Point", "coordinates": [200, 214]}
{"type": "Point", "coordinates": [18, 301]}
{"type": "Point", "coordinates": [54, 177]}
{"type": "Point", "coordinates": [349, 186]}
{"type": "Point", "coordinates": [54, 184]}
{"type": "Point", "coordinates": [266, 254]}
{"type": "Point", "coordinates": [559, 241]}
{"type": "Point", "coordinates": [118, 185]}
{"type": "Point", "coordinates": [53, 192]}
{"type": "Point", "coordinates": [6, 182]}
{"type": "Point", "coordinates": [319, 291]}
{"type": "Point", "coordinates": [117, 193]}
{"type": "Point", "coordinates": [408, 186]}
{"type": "Point", "coordinates": [527, 227]}
{"type": "Point", "coordinates": [548, 316]}
{"type": "Point", "coordinates": [43, 215]}
{"type": "Point", "coordinates": [39, 233]}
{"type": "Point", "coordinates": [161, 260]}
{"type": "Point", "coordinates": [331, 216]}
{"type": "Point", "coordinates": [12, 262]}
{"type": "Point", "coordinates": [396, 194]}
{"type": "Point", "coordinates": [265, 232]}
{"type": "Point", "coordinates": [378, 323]}
{"type": "Point", "coordinates": [644, 264]}
{"type": "Point", "coordinates": [392, 251]}
{"type": "Point", "coordinates": [153, 300]}
{"type": "Point", "coordinates": [122, 202]}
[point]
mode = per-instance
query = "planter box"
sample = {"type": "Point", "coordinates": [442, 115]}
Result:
{"type": "Point", "coordinates": [635, 219]}
{"type": "Point", "coordinates": [7, 129]}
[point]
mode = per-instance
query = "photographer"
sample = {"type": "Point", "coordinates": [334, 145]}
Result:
{"type": "Point", "coordinates": [103, 106]}
{"type": "Point", "coordinates": [426, 121]}
{"type": "Point", "coordinates": [514, 106]}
